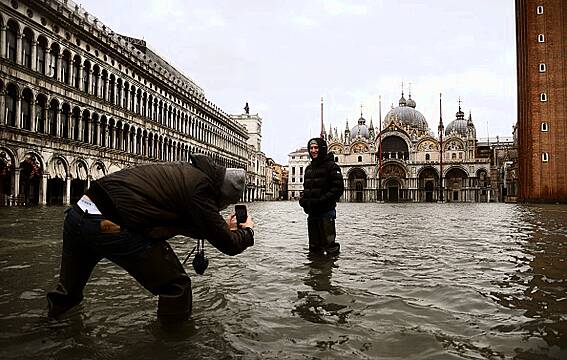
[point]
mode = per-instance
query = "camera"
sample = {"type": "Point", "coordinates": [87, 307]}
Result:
{"type": "Point", "coordinates": [200, 263]}
{"type": "Point", "coordinates": [241, 214]}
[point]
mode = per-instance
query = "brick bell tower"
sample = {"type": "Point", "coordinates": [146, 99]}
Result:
{"type": "Point", "coordinates": [541, 37]}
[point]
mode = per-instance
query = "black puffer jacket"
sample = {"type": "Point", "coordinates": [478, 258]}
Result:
{"type": "Point", "coordinates": [166, 199]}
{"type": "Point", "coordinates": [323, 182]}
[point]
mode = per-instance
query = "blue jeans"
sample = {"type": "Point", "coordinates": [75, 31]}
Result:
{"type": "Point", "coordinates": [151, 262]}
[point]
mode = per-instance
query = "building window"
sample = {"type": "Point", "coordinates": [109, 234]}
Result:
{"type": "Point", "coordinates": [543, 97]}
{"type": "Point", "coordinates": [301, 170]}
{"type": "Point", "coordinates": [544, 157]}
{"type": "Point", "coordinates": [293, 170]}
{"type": "Point", "coordinates": [539, 10]}
{"type": "Point", "coordinates": [544, 127]}
{"type": "Point", "coordinates": [336, 159]}
{"type": "Point", "coordinates": [427, 157]}
{"type": "Point", "coordinates": [360, 159]}
{"type": "Point", "coordinates": [453, 156]}
{"type": "Point", "coordinates": [292, 179]}
{"type": "Point", "coordinates": [542, 67]}
{"type": "Point", "coordinates": [541, 38]}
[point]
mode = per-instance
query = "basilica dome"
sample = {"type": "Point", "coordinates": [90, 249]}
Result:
{"type": "Point", "coordinates": [459, 124]}
{"type": "Point", "coordinates": [407, 115]}
{"type": "Point", "coordinates": [360, 129]}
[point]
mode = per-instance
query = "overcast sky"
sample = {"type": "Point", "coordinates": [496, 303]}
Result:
{"type": "Point", "coordinates": [283, 56]}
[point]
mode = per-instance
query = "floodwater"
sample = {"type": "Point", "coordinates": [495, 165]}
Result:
{"type": "Point", "coordinates": [413, 281]}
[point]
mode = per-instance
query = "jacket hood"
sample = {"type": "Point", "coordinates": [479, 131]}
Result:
{"type": "Point", "coordinates": [230, 182]}
{"type": "Point", "coordinates": [210, 168]}
{"type": "Point", "coordinates": [322, 147]}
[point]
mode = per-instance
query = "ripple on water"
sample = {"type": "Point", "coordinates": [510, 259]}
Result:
{"type": "Point", "coordinates": [413, 281]}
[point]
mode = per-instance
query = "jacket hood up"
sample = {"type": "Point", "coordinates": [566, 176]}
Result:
{"type": "Point", "coordinates": [322, 147]}
{"type": "Point", "coordinates": [229, 182]}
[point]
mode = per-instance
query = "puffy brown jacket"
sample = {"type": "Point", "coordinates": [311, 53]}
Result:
{"type": "Point", "coordinates": [170, 198]}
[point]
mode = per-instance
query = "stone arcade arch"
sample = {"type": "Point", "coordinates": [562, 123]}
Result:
{"type": "Point", "coordinates": [30, 173]}
{"type": "Point", "coordinates": [57, 182]}
{"type": "Point", "coordinates": [79, 180]}
{"type": "Point", "coordinates": [6, 175]}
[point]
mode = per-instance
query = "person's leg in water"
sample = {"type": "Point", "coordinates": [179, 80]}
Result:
{"type": "Point", "coordinates": [159, 271]}
{"type": "Point", "coordinates": [316, 243]}
{"type": "Point", "coordinates": [152, 263]}
{"type": "Point", "coordinates": [77, 263]}
{"type": "Point", "coordinates": [329, 234]}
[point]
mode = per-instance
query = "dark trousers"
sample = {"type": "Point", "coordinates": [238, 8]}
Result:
{"type": "Point", "coordinates": [322, 235]}
{"type": "Point", "coordinates": [151, 262]}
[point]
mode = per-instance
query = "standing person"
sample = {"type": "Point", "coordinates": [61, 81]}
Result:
{"type": "Point", "coordinates": [127, 217]}
{"type": "Point", "coordinates": [322, 188]}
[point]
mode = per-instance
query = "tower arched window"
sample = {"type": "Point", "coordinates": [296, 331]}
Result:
{"type": "Point", "coordinates": [543, 97]}
{"type": "Point", "coordinates": [539, 10]}
{"type": "Point", "coordinates": [544, 157]}
{"type": "Point", "coordinates": [541, 38]}
{"type": "Point", "coordinates": [544, 127]}
{"type": "Point", "coordinates": [542, 67]}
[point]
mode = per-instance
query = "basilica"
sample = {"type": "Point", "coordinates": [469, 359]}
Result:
{"type": "Point", "coordinates": [403, 160]}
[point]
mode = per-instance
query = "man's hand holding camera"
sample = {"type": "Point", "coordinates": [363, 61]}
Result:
{"type": "Point", "coordinates": [234, 225]}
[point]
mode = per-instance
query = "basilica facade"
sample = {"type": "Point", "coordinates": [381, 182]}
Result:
{"type": "Point", "coordinates": [79, 101]}
{"type": "Point", "coordinates": [403, 160]}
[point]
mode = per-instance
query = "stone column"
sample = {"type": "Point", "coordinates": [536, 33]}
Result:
{"type": "Point", "coordinates": [58, 69]}
{"type": "Point", "coordinates": [18, 48]}
{"type": "Point", "coordinates": [33, 120]}
{"type": "Point", "coordinates": [147, 152]}
{"type": "Point", "coordinates": [98, 89]}
{"type": "Point", "coordinates": [106, 93]}
{"type": "Point", "coordinates": [16, 183]}
{"type": "Point", "coordinates": [67, 196]}
{"type": "Point", "coordinates": [34, 55]}
{"type": "Point", "coordinates": [80, 125]}
{"type": "Point", "coordinates": [18, 111]}
{"type": "Point", "coordinates": [96, 133]}
{"type": "Point", "coordinates": [45, 119]}
{"type": "Point", "coordinates": [134, 149]}
{"type": "Point", "coordinates": [3, 107]}
{"type": "Point", "coordinates": [43, 190]}
{"type": "Point", "coordinates": [88, 74]}
{"type": "Point", "coordinates": [80, 87]}
{"type": "Point", "coordinates": [3, 41]}
{"type": "Point", "coordinates": [58, 126]}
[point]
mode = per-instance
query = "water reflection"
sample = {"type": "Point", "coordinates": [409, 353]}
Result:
{"type": "Point", "coordinates": [316, 306]}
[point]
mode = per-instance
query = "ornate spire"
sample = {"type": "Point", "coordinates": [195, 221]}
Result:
{"type": "Point", "coordinates": [460, 114]}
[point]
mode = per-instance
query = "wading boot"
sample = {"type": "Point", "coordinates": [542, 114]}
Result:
{"type": "Point", "coordinates": [175, 302]}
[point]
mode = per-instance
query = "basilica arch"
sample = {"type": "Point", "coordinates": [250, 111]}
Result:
{"type": "Point", "coordinates": [428, 183]}
{"type": "Point", "coordinates": [395, 147]}
{"type": "Point", "coordinates": [456, 184]}
{"type": "Point", "coordinates": [393, 179]}
{"type": "Point", "coordinates": [357, 190]}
